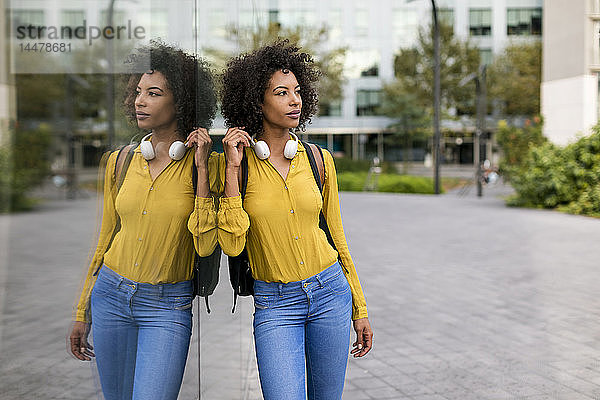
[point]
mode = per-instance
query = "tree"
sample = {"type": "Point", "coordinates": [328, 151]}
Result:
{"type": "Point", "coordinates": [514, 79]}
{"type": "Point", "coordinates": [330, 61]}
{"type": "Point", "coordinates": [413, 68]}
{"type": "Point", "coordinates": [412, 121]}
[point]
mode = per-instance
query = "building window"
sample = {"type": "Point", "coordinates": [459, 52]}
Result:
{"type": "Point", "coordinates": [335, 24]}
{"type": "Point", "coordinates": [28, 17]}
{"type": "Point", "coordinates": [367, 102]}
{"type": "Point", "coordinates": [405, 24]}
{"type": "Point", "coordinates": [372, 70]}
{"type": "Point", "coordinates": [361, 28]}
{"type": "Point", "coordinates": [72, 18]}
{"type": "Point", "coordinates": [250, 18]}
{"type": "Point", "coordinates": [446, 16]}
{"type": "Point", "coordinates": [485, 56]}
{"type": "Point", "coordinates": [524, 21]}
{"type": "Point", "coordinates": [118, 17]}
{"type": "Point", "coordinates": [273, 16]}
{"type": "Point", "coordinates": [363, 62]}
{"type": "Point", "coordinates": [480, 22]}
{"type": "Point", "coordinates": [297, 17]}
{"type": "Point", "coordinates": [332, 108]}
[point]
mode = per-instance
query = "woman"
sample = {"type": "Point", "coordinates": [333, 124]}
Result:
{"type": "Point", "coordinates": [138, 290]}
{"type": "Point", "coordinates": [304, 299]}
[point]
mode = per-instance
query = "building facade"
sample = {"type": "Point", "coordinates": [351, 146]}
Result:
{"type": "Point", "coordinates": [372, 32]}
{"type": "Point", "coordinates": [571, 62]}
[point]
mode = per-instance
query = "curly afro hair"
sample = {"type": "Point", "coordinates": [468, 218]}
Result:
{"type": "Point", "coordinates": [247, 77]}
{"type": "Point", "coordinates": [188, 78]}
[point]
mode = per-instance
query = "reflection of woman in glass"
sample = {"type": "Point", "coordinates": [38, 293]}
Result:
{"type": "Point", "coordinates": [138, 292]}
{"type": "Point", "coordinates": [304, 298]}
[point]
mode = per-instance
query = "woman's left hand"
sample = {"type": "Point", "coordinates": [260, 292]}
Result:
{"type": "Point", "coordinates": [364, 337]}
{"type": "Point", "coordinates": [201, 139]}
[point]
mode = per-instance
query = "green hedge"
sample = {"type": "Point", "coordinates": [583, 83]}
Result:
{"type": "Point", "coordinates": [24, 165]}
{"type": "Point", "coordinates": [566, 178]}
{"type": "Point", "coordinates": [392, 183]}
{"type": "Point", "coordinates": [345, 164]}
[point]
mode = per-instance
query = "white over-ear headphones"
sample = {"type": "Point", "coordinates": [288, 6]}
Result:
{"type": "Point", "coordinates": [176, 151]}
{"type": "Point", "coordinates": [261, 149]}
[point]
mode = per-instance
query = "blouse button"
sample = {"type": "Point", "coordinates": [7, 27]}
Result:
{"type": "Point", "coordinates": [136, 264]}
{"type": "Point", "coordinates": [301, 262]}
{"type": "Point", "coordinates": [144, 213]}
{"type": "Point", "coordinates": [145, 167]}
{"type": "Point", "coordinates": [151, 187]}
{"type": "Point", "coordinates": [140, 239]}
{"type": "Point", "coordinates": [291, 211]}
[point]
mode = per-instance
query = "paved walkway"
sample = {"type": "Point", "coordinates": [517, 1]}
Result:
{"type": "Point", "coordinates": [468, 300]}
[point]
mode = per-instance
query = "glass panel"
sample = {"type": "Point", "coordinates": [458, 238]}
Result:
{"type": "Point", "coordinates": [480, 22]}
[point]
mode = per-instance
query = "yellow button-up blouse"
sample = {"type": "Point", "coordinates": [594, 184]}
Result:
{"type": "Point", "coordinates": [279, 224]}
{"type": "Point", "coordinates": [162, 221]}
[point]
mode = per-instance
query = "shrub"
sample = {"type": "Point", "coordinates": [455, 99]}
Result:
{"type": "Point", "coordinates": [515, 144]}
{"type": "Point", "coordinates": [345, 164]}
{"type": "Point", "coordinates": [391, 183]}
{"type": "Point", "coordinates": [567, 178]}
{"type": "Point", "coordinates": [21, 174]}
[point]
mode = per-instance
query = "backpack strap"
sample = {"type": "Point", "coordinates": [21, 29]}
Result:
{"type": "Point", "coordinates": [244, 182]}
{"type": "Point", "coordinates": [122, 164]}
{"type": "Point", "coordinates": [204, 262]}
{"type": "Point", "coordinates": [243, 254]}
{"type": "Point", "coordinates": [316, 163]}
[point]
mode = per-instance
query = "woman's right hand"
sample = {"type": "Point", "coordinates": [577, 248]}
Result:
{"type": "Point", "coordinates": [233, 145]}
{"type": "Point", "coordinates": [80, 347]}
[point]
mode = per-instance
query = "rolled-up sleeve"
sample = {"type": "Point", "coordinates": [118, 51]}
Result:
{"type": "Point", "coordinates": [233, 223]}
{"type": "Point", "coordinates": [203, 225]}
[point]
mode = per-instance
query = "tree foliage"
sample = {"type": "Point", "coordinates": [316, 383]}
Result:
{"type": "Point", "coordinates": [514, 79]}
{"type": "Point", "coordinates": [330, 61]}
{"type": "Point", "coordinates": [413, 68]}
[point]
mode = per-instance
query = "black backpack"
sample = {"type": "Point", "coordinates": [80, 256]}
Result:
{"type": "Point", "coordinates": [206, 269]}
{"type": "Point", "coordinates": [240, 272]}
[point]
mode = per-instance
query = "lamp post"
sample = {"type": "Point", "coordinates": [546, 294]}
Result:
{"type": "Point", "coordinates": [436, 98]}
{"type": "Point", "coordinates": [481, 104]}
{"type": "Point", "coordinates": [110, 84]}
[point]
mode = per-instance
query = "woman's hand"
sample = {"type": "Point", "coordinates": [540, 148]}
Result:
{"type": "Point", "coordinates": [80, 347]}
{"type": "Point", "coordinates": [364, 337]}
{"type": "Point", "coordinates": [201, 139]}
{"type": "Point", "coordinates": [233, 144]}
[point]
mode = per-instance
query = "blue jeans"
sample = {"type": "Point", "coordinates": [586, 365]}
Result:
{"type": "Point", "coordinates": [141, 336]}
{"type": "Point", "coordinates": [303, 328]}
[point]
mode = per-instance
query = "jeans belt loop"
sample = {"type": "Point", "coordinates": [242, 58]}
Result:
{"type": "Point", "coordinates": [319, 280]}
{"type": "Point", "coordinates": [160, 290]}
{"type": "Point", "coordinates": [280, 289]}
{"type": "Point", "coordinates": [120, 282]}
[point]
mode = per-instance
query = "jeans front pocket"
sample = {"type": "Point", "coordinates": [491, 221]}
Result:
{"type": "Point", "coordinates": [262, 302]}
{"type": "Point", "coordinates": [338, 284]}
{"type": "Point", "coordinates": [181, 302]}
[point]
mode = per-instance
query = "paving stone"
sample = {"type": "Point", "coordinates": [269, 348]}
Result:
{"type": "Point", "coordinates": [468, 299]}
